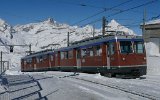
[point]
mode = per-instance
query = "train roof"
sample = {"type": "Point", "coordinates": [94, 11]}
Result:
{"type": "Point", "coordinates": [88, 42]}
{"type": "Point", "coordinates": [40, 53]}
{"type": "Point", "coordinates": [99, 40]}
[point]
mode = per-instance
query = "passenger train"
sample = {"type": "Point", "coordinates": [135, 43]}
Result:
{"type": "Point", "coordinates": [108, 55]}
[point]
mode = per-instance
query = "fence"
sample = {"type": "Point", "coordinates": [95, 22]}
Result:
{"type": "Point", "coordinates": [4, 66]}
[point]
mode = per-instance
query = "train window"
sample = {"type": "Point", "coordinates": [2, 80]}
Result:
{"type": "Point", "coordinates": [51, 57]}
{"type": "Point", "coordinates": [29, 60]}
{"type": "Point", "coordinates": [44, 57]}
{"type": "Point", "coordinates": [62, 55]}
{"type": "Point", "coordinates": [37, 58]}
{"type": "Point", "coordinates": [90, 51]}
{"type": "Point", "coordinates": [138, 47]}
{"type": "Point", "coordinates": [111, 48]}
{"type": "Point", "coordinates": [126, 46]}
{"type": "Point", "coordinates": [56, 55]}
{"type": "Point", "coordinates": [70, 54]}
{"type": "Point", "coordinates": [78, 53]}
{"type": "Point", "coordinates": [98, 50]}
{"type": "Point", "coordinates": [83, 52]}
{"type": "Point", "coordinates": [40, 58]}
{"type": "Point", "coordinates": [25, 62]}
{"type": "Point", "coordinates": [66, 55]}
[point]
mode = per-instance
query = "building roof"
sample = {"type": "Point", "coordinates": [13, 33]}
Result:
{"type": "Point", "coordinates": [151, 25]}
{"type": "Point", "coordinates": [151, 22]}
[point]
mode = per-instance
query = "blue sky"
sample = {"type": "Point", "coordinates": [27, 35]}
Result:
{"type": "Point", "coordinates": [72, 11]}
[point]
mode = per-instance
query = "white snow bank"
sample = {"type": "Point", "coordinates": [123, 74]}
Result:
{"type": "Point", "coordinates": [10, 72]}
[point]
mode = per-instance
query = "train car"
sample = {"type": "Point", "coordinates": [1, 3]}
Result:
{"type": "Point", "coordinates": [39, 61]}
{"type": "Point", "coordinates": [108, 55]}
{"type": "Point", "coordinates": [113, 55]}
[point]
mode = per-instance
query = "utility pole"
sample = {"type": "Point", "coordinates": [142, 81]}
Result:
{"type": "Point", "coordinates": [68, 36]}
{"type": "Point", "coordinates": [103, 25]}
{"type": "Point", "coordinates": [107, 26]}
{"type": "Point", "coordinates": [68, 39]}
{"type": "Point", "coordinates": [144, 20]}
{"type": "Point", "coordinates": [1, 61]}
{"type": "Point", "coordinates": [30, 49]}
{"type": "Point", "coordinates": [93, 30]}
{"type": "Point", "coordinates": [11, 47]}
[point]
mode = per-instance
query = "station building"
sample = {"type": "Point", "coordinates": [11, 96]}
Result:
{"type": "Point", "coordinates": [151, 35]}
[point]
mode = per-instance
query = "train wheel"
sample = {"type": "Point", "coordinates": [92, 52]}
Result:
{"type": "Point", "coordinates": [108, 74]}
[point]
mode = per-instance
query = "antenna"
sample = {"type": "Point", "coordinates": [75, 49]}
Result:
{"type": "Point", "coordinates": [144, 19]}
{"type": "Point", "coordinates": [103, 25]}
{"type": "Point", "coordinates": [93, 30]}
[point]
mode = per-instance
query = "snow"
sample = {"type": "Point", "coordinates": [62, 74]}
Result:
{"type": "Point", "coordinates": [63, 85]}
{"type": "Point", "coordinates": [15, 72]}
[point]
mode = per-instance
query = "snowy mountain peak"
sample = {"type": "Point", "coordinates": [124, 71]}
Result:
{"type": "Point", "coordinates": [5, 30]}
{"type": "Point", "coordinates": [113, 23]}
{"type": "Point", "coordinates": [50, 21]}
{"type": "Point", "coordinates": [115, 26]}
{"type": "Point", "coordinates": [3, 25]}
{"type": "Point", "coordinates": [2, 22]}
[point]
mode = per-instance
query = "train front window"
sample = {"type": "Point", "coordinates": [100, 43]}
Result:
{"type": "Point", "coordinates": [138, 47]}
{"type": "Point", "coordinates": [126, 47]}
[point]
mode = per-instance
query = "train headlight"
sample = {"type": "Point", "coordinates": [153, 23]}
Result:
{"type": "Point", "coordinates": [144, 58]}
{"type": "Point", "coordinates": [123, 59]}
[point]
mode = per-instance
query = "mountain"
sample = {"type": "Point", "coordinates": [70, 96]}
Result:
{"type": "Point", "coordinates": [5, 32]}
{"type": "Point", "coordinates": [43, 35]}
{"type": "Point", "coordinates": [114, 26]}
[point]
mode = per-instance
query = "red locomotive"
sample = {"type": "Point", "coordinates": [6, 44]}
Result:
{"type": "Point", "coordinates": [108, 55]}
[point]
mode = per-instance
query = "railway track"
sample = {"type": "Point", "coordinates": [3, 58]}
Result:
{"type": "Point", "coordinates": [150, 81]}
{"type": "Point", "coordinates": [144, 95]}
{"type": "Point", "coordinates": [148, 96]}
{"type": "Point", "coordinates": [111, 85]}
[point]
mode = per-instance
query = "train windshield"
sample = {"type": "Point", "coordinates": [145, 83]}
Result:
{"type": "Point", "coordinates": [126, 47]}
{"type": "Point", "coordinates": [138, 47]}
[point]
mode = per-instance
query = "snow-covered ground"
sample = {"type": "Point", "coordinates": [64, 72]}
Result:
{"type": "Point", "coordinates": [80, 86]}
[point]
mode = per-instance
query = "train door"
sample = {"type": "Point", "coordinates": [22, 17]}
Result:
{"type": "Point", "coordinates": [108, 55]}
{"type": "Point", "coordinates": [35, 66]}
{"type": "Point", "coordinates": [34, 63]}
{"type": "Point", "coordinates": [78, 53]}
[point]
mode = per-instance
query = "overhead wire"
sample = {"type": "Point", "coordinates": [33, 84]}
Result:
{"type": "Point", "coordinates": [156, 17]}
{"type": "Point", "coordinates": [104, 10]}
{"type": "Point", "coordinates": [122, 11]}
{"type": "Point", "coordinates": [147, 3]}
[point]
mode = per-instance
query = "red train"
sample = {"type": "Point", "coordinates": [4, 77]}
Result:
{"type": "Point", "coordinates": [108, 55]}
